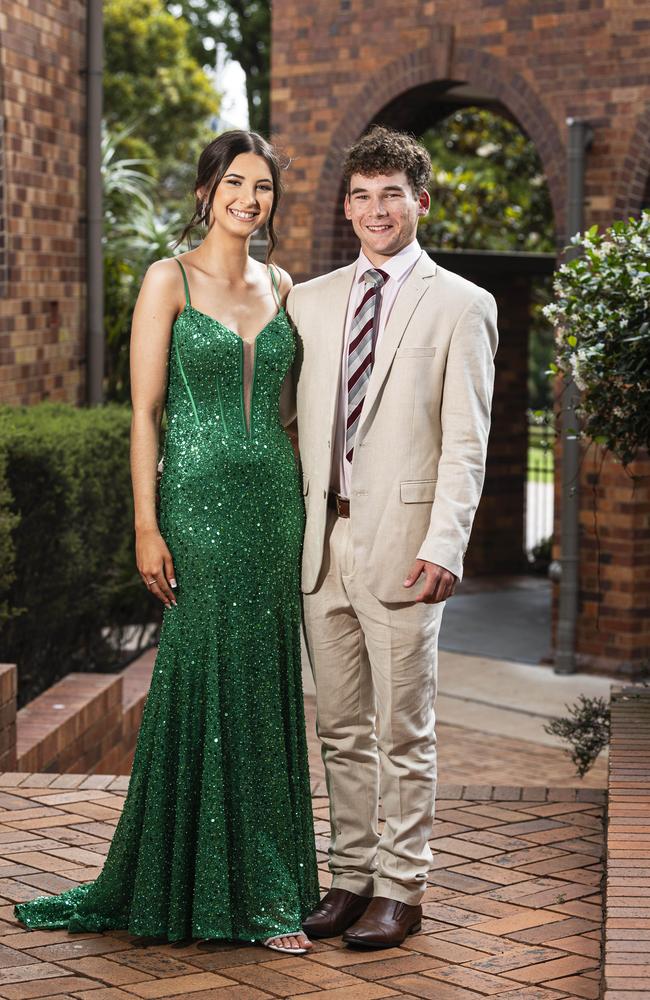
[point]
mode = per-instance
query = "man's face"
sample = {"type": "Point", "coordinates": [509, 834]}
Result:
{"type": "Point", "coordinates": [384, 213]}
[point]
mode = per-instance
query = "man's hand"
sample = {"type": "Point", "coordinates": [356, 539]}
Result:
{"type": "Point", "coordinates": [439, 583]}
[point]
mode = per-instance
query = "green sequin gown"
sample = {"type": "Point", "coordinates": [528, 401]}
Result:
{"type": "Point", "coordinates": [216, 836]}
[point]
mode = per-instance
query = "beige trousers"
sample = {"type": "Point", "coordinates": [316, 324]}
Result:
{"type": "Point", "coordinates": [374, 667]}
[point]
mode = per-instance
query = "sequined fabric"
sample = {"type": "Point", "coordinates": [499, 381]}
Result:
{"type": "Point", "coordinates": [216, 836]}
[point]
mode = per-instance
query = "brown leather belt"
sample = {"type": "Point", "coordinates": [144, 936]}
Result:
{"type": "Point", "coordinates": [339, 504]}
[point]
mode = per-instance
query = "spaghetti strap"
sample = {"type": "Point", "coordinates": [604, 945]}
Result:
{"type": "Point", "coordinates": [187, 287]}
{"type": "Point", "coordinates": [275, 286]}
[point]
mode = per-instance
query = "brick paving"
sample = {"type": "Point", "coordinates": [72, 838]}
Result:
{"type": "Point", "coordinates": [512, 906]}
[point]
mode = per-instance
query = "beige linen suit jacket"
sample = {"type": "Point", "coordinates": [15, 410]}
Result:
{"type": "Point", "coordinates": [419, 458]}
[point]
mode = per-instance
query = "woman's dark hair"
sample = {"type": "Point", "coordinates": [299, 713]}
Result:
{"type": "Point", "coordinates": [213, 164]}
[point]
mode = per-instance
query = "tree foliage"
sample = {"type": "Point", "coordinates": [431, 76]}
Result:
{"type": "Point", "coordinates": [244, 27]}
{"type": "Point", "coordinates": [488, 189]}
{"type": "Point", "coordinates": [153, 82]}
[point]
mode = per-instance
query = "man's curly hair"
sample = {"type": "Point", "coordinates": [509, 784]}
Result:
{"type": "Point", "coordinates": [383, 151]}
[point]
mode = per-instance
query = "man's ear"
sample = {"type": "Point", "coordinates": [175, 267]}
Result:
{"type": "Point", "coordinates": [424, 203]}
{"type": "Point", "coordinates": [346, 207]}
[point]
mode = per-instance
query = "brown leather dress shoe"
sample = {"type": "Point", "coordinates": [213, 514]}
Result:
{"type": "Point", "coordinates": [385, 924]}
{"type": "Point", "coordinates": [337, 910]}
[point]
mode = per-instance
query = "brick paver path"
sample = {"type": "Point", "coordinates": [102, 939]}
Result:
{"type": "Point", "coordinates": [513, 906]}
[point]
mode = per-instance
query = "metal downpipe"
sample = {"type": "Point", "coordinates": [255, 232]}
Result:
{"type": "Point", "coordinates": [579, 139]}
{"type": "Point", "coordinates": [94, 207]}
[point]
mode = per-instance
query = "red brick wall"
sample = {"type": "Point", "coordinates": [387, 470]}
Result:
{"type": "Point", "coordinates": [338, 65]}
{"type": "Point", "coordinates": [42, 95]}
{"type": "Point", "coordinates": [614, 621]}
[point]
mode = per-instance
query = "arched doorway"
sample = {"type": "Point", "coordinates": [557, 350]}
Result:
{"type": "Point", "coordinates": [502, 533]}
{"type": "Point", "coordinates": [412, 94]}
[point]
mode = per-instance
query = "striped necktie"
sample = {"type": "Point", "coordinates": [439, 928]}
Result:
{"type": "Point", "coordinates": [361, 353]}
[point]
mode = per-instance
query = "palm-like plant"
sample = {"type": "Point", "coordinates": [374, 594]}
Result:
{"type": "Point", "coordinates": [135, 234]}
{"type": "Point", "coordinates": [122, 177]}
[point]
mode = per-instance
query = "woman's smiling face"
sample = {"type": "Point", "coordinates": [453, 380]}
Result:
{"type": "Point", "coordinates": [243, 199]}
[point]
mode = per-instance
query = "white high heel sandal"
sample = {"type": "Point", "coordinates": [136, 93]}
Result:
{"type": "Point", "coordinates": [286, 951]}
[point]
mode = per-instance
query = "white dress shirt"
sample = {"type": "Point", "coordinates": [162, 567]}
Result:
{"type": "Point", "coordinates": [398, 269]}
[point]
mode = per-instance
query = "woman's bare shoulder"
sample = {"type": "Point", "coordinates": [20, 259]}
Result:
{"type": "Point", "coordinates": [163, 281]}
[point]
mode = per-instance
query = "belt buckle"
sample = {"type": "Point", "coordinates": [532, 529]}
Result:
{"type": "Point", "coordinates": [338, 504]}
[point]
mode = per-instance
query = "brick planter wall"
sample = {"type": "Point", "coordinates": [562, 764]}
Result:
{"type": "Point", "coordinates": [627, 915]}
{"type": "Point", "coordinates": [83, 724]}
{"type": "Point", "coordinates": [72, 725]}
{"type": "Point", "coordinates": [8, 689]}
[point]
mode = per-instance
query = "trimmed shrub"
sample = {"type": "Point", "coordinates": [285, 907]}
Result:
{"type": "Point", "coordinates": [8, 522]}
{"type": "Point", "coordinates": [602, 318]}
{"type": "Point", "coordinates": [67, 471]}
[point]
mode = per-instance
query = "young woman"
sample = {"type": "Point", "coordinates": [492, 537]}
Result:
{"type": "Point", "coordinates": [216, 836]}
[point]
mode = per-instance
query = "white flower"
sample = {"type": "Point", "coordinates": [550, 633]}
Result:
{"type": "Point", "coordinates": [575, 372]}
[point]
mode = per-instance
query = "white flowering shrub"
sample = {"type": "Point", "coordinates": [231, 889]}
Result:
{"type": "Point", "coordinates": [601, 314]}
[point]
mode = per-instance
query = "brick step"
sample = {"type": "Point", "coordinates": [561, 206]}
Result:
{"type": "Point", "coordinates": [72, 725]}
{"type": "Point", "coordinates": [8, 692]}
{"type": "Point", "coordinates": [85, 723]}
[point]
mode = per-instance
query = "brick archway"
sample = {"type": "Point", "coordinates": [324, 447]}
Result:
{"type": "Point", "coordinates": [634, 175]}
{"type": "Point", "coordinates": [433, 64]}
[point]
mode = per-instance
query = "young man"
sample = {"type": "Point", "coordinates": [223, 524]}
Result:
{"type": "Point", "coordinates": [394, 399]}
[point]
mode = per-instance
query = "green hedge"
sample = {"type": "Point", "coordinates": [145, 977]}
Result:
{"type": "Point", "coordinates": [66, 528]}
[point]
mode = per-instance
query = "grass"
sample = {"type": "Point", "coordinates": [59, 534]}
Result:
{"type": "Point", "coordinates": [540, 463]}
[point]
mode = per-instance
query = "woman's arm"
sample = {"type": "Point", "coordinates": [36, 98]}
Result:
{"type": "Point", "coordinates": [155, 310]}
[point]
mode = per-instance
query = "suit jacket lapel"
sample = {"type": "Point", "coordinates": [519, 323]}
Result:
{"type": "Point", "coordinates": [337, 295]}
{"type": "Point", "coordinates": [407, 299]}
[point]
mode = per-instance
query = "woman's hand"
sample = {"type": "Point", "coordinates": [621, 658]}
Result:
{"type": "Point", "coordinates": [155, 565]}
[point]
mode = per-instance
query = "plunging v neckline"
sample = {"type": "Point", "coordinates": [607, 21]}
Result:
{"type": "Point", "coordinates": [244, 340]}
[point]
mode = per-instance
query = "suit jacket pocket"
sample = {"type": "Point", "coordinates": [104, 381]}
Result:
{"type": "Point", "coordinates": [418, 491]}
{"type": "Point", "coordinates": [415, 352]}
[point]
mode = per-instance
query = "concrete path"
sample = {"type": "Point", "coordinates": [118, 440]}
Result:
{"type": "Point", "coordinates": [507, 698]}
{"type": "Point", "coordinates": [490, 720]}
{"type": "Point", "coordinates": [508, 619]}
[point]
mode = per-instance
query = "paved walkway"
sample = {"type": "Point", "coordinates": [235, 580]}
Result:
{"type": "Point", "coordinates": [512, 907]}
{"type": "Point", "coordinates": [504, 617]}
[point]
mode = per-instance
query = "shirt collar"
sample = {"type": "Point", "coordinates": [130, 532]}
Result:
{"type": "Point", "coordinates": [396, 267]}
